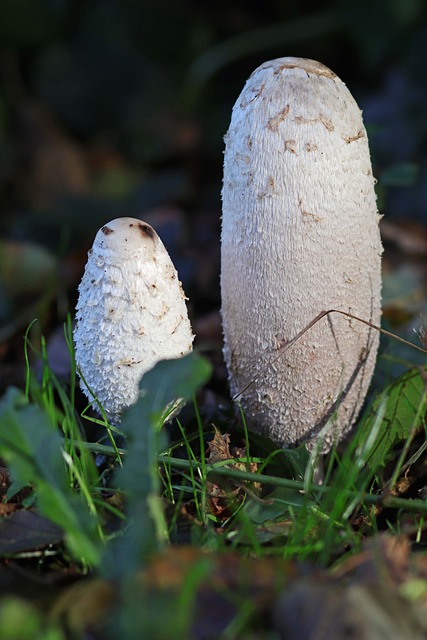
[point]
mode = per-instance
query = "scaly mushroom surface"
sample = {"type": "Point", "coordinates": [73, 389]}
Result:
{"type": "Point", "coordinates": [299, 235]}
{"type": "Point", "coordinates": [131, 313]}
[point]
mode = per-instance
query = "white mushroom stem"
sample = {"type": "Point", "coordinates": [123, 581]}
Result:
{"type": "Point", "coordinates": [299, 235]}
{"type": "Point", "coordinates": [131, 313]}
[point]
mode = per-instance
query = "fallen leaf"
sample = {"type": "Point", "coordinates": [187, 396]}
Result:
{"type": "Point", "coordinates": [225, 493]}
{"type": "Point", "coordinates": [26, 530]}
{"type": "Point", "coordinates": [320, 610]}
{"type": "Point", "coordinates": [85, 604]}
{"type": "Point", "coordinates": [220, 583]}
{"type": "Point", "coordinates": [383, 560]}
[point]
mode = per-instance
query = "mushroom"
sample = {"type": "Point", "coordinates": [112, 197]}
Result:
{"type": "Point", "coordinates": [131, 313]}
{"type": "Point", "coordinates": [300, 235]}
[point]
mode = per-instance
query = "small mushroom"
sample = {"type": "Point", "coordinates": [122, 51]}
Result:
{"type": "Point", "coordinates": [300, 236]}
{"type": "Point", "coordinates": [131, 313]}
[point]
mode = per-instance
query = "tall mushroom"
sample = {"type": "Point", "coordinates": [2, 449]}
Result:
{"type": "Point", "coordinates": [131, 313]}
{"type": "Point", "coordinates": [299, 235]}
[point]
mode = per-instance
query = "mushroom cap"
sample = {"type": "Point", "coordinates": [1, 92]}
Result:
{"type": "Point", "coordinates": [131, 313]}
{"type": "Point", "coordinates": [299, 236]}
{"type": "Point", "coordinates": [124, 239]}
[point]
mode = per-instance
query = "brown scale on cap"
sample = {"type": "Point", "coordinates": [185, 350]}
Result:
{"type": "Point", "coordinates": [146, 230]}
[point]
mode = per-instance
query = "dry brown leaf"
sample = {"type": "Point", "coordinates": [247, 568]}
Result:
{"type": "Point", "coordinates": [320, 610]}
{"type": "Point", "coordinates": [225, 493]}
{"type": "Point", "coordinates": [222, 579]}
{"type": "Point", "coordinates": [84, 605]}
{"type": "Point", "coordinates": [384, 559]}
{"type": "Point", "coordinates": [219, 448]}
{"type": "Point", "coordinates": [8, 508]}
{"type": "Point", "coordinates": [313, 607]}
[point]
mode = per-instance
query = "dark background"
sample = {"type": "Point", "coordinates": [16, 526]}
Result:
{"type": "Point", "coordinates": [112, 108]}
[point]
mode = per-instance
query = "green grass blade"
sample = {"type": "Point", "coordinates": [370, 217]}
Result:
{"type": "Point", "coordinates": [32, 448]}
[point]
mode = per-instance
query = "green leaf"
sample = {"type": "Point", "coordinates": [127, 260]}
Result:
{"type": "Point", "coordinates": [162, 386]}
{"type": "Point", "coordinates": [283, 463]}
{"type": "Point", "coordinates": [21, 620]}
{"type": "Point", "coordinates": [32, 448]}
{"type": "Point", "coordinates": [406, 405]}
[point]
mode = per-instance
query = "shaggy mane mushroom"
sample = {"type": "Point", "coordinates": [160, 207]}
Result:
{"type": "Point", "coordinates": [131, 313]}
{"type": "Point", "coordinates": [299, 236]}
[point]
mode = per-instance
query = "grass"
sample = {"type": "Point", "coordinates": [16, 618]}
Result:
{"type": "Point", "coordinates": [153, 495]}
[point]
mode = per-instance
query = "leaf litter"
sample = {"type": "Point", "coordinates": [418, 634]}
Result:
{"type": "Point", "coordinates": [360, 595]}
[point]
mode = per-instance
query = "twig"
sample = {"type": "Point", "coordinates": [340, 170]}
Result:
{"type": "Point", "coordinates": [311, 324]}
